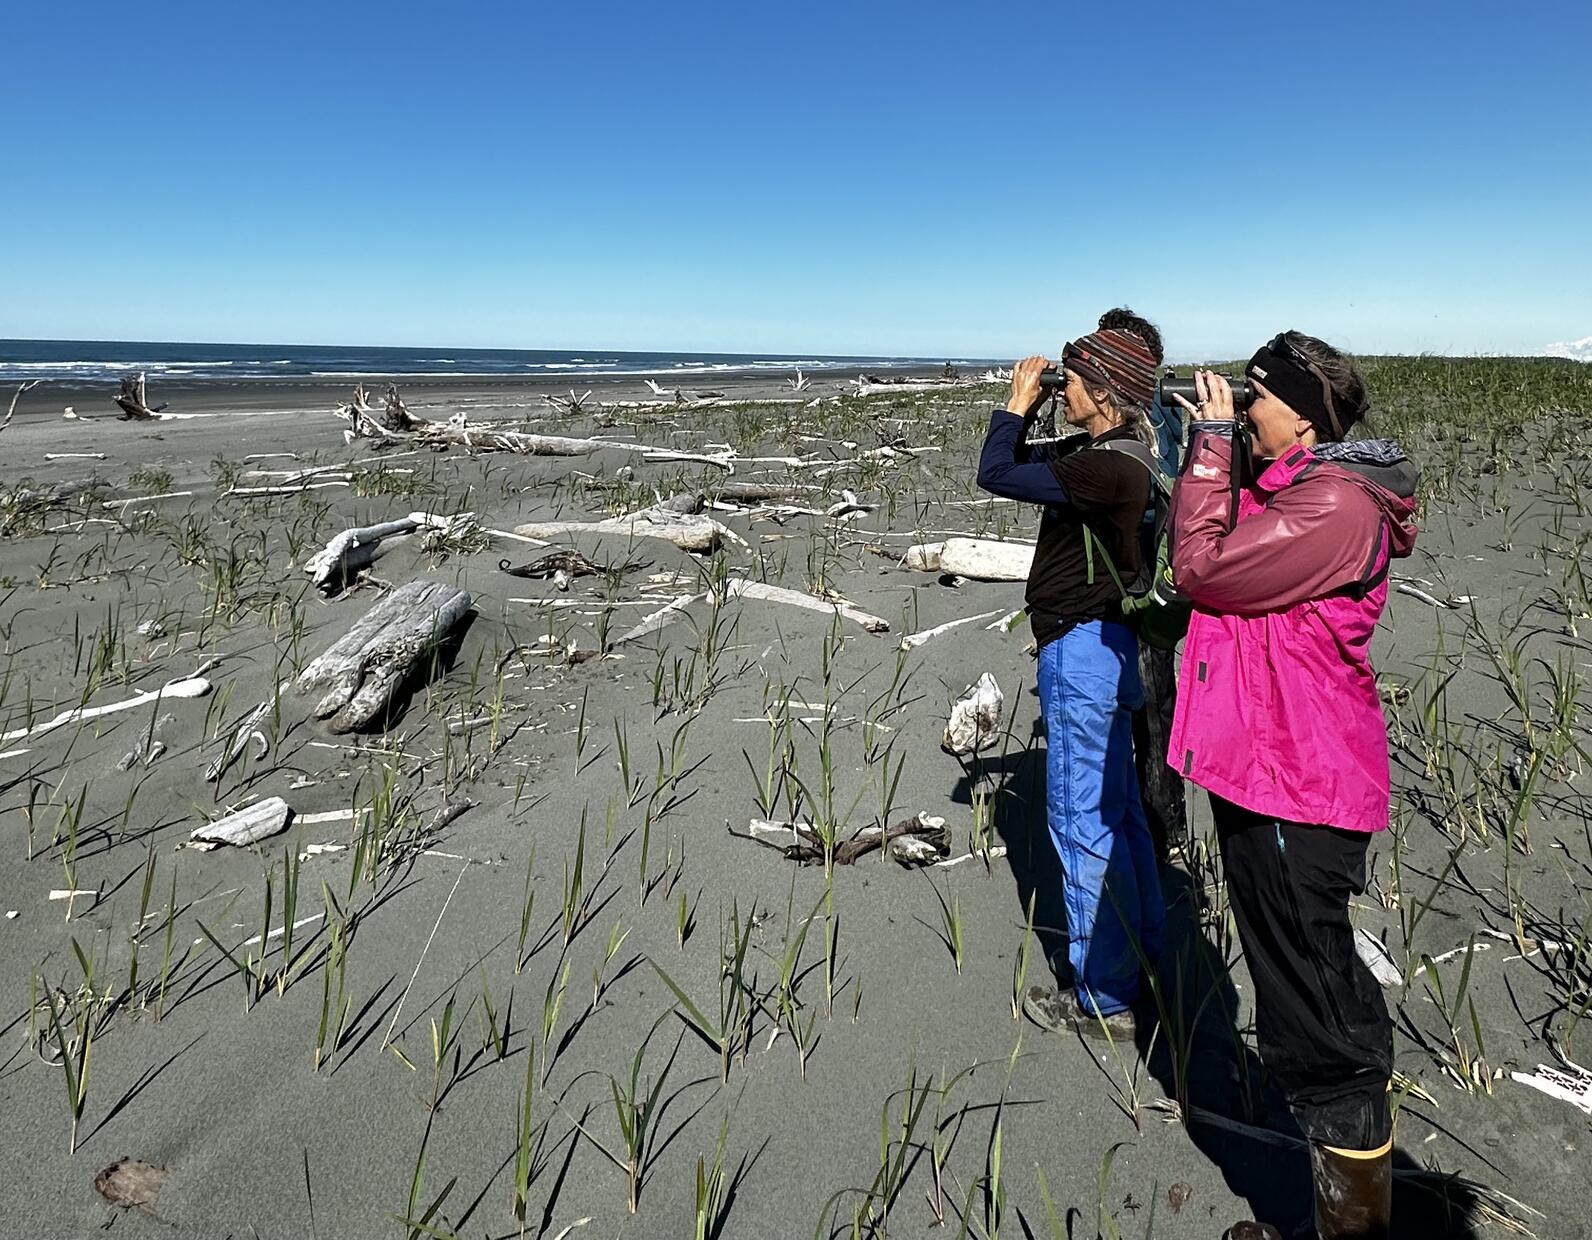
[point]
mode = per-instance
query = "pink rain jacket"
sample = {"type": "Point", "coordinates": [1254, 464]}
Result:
{"type": "Point", "coordinates": [1277, 706]}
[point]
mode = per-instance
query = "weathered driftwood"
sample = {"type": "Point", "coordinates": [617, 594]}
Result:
{"type": "Point", "coordinates": [134, 402]}
{"type": "Point", "coordinates": [975, 721]}
{"type": "Point", "coordinates": [247, 826]}
{"type": "Point", "coordinates": [238, 740]}
{"type": "Point", "coordinates": [913, 640]}
{"type": "Point", "coordinates": [688, 532]}
{"type": "Point", "coordinates": [364, 668]}
{"type": "Point", "coordinates": [759, 492]}
{"type": "Point", "coordinates": [192, 687]}
{"type": "Point", "coordinates": [16, 396]}
{"type": "Point", "coordinates": [352, 550]}
{"type": "Point", "coordinates": [983, 559]}
{"type": "Point", "coordinates": [922, 839]}
{"type": "Point", "coordinates": [739, 587]}
{"type": "Point", "coordinates": [664, 616]}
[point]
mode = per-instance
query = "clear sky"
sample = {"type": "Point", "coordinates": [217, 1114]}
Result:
{"type": "Point", "coordinates": [914, 178]}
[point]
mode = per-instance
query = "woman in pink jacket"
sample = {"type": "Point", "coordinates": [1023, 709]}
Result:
{"type": "Point", "coordinates": [1278, 718]}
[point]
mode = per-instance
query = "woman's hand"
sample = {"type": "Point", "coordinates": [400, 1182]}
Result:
{"type": "Point", "coordinates": [1216, 398]}
{"type": "Point", "coordinates": [1026, 390]}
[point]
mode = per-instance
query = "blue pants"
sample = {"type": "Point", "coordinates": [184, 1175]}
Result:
{"type": "Point", "coordinates": [1088, 686]}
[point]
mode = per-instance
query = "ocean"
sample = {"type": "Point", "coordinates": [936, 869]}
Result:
{"type": "Point", "coordinates": [97, 360]}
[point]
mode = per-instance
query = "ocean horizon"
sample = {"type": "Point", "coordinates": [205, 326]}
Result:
{"type": "Point", "coordinates": [99, 360]}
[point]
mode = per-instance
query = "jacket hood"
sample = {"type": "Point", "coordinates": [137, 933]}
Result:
{"type": "Point", "coordinates": [1380, 468]}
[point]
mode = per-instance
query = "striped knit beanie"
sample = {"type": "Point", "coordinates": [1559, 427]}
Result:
{"type": "Point", "coordinates": [1115, 359]}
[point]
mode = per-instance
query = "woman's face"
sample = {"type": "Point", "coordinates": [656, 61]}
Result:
{"type": "Point", "coordinates": [1081, 406]}
{"type": "Point", "coordinates": [1273, 425]}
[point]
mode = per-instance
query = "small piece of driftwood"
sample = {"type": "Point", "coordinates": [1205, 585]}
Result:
{"type": "Point", "coordinates": [364, 668]}
{"type": "Point", "coordinates": [913, 640]}
{"type": "Point", "coordinates": [739, 587]}
{"type": "Point", "coordinates": [975, 721]}
{"type": "Point", "coordinates": [983, 559]}
{"type": "Point", "coordinates": [237, 741]}
{"type": "Point", "coordinates": [192, 687]}
{"type": "Point", "coordinates": [689, 533]}
{"type": "Point", "coordinates": [134, 402]}
{"type": "Point", "coordinates": [922, 839]}
{"type": "Point", "coordinates": [259, 821]}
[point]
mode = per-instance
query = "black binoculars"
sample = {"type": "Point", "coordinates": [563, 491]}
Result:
{"type": "Point", "coordinates": [1053, 378]}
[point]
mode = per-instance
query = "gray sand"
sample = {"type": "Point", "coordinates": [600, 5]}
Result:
{"type": "Point", "coordinates": [259, 1143]}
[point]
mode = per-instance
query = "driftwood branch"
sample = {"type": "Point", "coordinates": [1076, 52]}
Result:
{"type": "Point", "coordinates": [365, 668]}
{"type": "Point", "coordinates": [134, 402]}
{"type": "Point", "coordinates": [352, 550]}
{"type": "Point", "coordinates": [16, 396]}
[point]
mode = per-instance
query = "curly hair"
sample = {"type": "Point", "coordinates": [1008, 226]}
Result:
{"type": "Point", "coordinates": [1123, 319]}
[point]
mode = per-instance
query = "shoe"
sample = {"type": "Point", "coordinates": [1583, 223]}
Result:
{"type": "Point", "coordinates": [1251, 1231]}
{"type": "Point", "coordinates": [1354, 1192]}
{"type": "Point", "coordinates": [1058, 1011]}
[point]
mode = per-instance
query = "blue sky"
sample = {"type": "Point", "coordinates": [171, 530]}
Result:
{"type": "Point", "coordinates": [927, 179]}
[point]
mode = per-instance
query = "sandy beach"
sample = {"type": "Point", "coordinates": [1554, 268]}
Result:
{"type": "Point", "coordinates": [334, 1032]}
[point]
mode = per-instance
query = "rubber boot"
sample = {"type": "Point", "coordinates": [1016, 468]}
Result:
{"type": "Point", "coordinates": [1354, 1192]}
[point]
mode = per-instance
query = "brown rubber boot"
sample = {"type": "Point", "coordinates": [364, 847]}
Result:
{"type": "Point", "coordinates": [1354, 1192]}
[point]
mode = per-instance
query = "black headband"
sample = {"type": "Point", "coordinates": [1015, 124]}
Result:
{"type": "Point", "coordinates": [1305, 389]}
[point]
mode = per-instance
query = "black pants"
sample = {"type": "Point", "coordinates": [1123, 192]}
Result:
{"type": "Point", "coordinates": [1323, 1029]}
{"type": "Point", "coordinates": [1160, 787]}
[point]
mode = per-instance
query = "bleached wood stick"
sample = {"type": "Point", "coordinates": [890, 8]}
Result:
{"type": "Point", "coordinates": [237, 742]}
{"type": "Point", "coordinates": [913, 640]}
{"type": "Point", "coordinates": [739, 587]}
{"type": "Point", "coordinates": [289, 489]}
{"type": "Point", "coordinates": [664, 616]}
{"type": "Point", "coordinates": [145, 499]}
{"type": "Point", "coordinates": [193, 687]}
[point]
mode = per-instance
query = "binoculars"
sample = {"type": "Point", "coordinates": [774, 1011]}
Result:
{"type": "Point", "coordinates": [1053, 378]}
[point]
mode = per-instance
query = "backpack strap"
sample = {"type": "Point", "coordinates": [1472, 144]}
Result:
{"type": "Point", "coordinates": [1144, 456]}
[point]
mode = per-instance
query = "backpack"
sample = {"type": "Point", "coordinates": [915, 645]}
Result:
{"type": "Point", "coordinates": [1151, 604]}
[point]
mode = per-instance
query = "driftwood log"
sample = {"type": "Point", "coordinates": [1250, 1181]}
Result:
{"type": "Point", "coordinates": [134, 402]}
{"type": "Point", "coordinates": [684, 530]}
{"type": "Point", "coordinates": [364, 668]}
{"type": "Point", "coordinates": [983, 559]}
